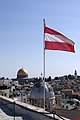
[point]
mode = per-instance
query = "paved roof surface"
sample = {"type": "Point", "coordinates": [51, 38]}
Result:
{"type": "Point", "coordinates": [71, 114]}
{"type": "Point", "coordinates": [7, 114]}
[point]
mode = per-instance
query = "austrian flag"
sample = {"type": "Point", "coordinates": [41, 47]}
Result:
{"type": "Point", "coordinates": [57, 41]}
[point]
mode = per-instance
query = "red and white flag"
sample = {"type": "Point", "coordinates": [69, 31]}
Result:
{"type": "Point", "coordinates": [57, 41]}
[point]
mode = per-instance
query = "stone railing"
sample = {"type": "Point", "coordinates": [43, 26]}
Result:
{"type": "Point", "coordinates": [23, 109]}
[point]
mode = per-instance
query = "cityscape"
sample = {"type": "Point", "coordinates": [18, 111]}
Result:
{"type": "Point", "coordinates": [62, 95]}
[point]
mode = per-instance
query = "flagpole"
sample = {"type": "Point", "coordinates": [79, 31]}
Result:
{"type": "Point", "coordinates": [44, 62]}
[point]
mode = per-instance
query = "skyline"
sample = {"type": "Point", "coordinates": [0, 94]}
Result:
{"type": "Point", "coordinates": [21, 37]}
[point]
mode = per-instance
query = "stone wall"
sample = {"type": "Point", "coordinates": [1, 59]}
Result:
{"type": "Point", "coordinates": [23, 109]}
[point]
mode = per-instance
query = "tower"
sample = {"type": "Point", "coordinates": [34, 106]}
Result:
{"type": "Point", "coordinates": [75, 75]}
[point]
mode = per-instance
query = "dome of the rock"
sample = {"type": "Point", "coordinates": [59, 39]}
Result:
{"type": "Point", "coordinates": [22, 73]}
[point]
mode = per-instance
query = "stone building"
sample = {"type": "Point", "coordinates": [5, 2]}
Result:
{"type": "Point", "coordinates": [4, 91]}
{"type": "Point", "coordinates": [37, 95]}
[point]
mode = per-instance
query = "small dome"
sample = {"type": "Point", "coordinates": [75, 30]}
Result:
{"type": "Point", "coordinates": [22, 73]}
{"type": "Point", "coordinates": [37, 91]}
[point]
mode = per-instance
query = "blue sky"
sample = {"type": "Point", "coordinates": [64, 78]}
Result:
{"type": "Point", "coordinates": [21, 36]}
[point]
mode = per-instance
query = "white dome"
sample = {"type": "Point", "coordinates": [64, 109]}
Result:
{"type": "Point", "coordinates": [37, 91]}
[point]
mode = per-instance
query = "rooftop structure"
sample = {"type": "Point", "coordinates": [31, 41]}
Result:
{"type": "Point", "coordinates": [37, 95]}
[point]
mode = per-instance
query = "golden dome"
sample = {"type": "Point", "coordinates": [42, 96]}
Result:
{"type": "Point", "coordinates": [22, 73]}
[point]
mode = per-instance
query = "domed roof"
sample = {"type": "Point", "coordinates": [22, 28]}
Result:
{"type": "Point", "coordinates": [37, 91]}
{"type": "Point", "coordinates": [22, 73]}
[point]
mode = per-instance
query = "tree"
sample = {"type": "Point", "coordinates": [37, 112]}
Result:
{"type": "Point", "coordinates": [56, 78]}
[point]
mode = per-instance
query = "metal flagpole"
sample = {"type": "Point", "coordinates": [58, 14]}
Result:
{"type": "Point", "coordinates": [44, 62]}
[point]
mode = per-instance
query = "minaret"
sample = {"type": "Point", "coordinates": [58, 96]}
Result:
{"type": "Point", "coordinates": [75, 75]}
{"type": "Point", "coordinates": [41, 76]}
